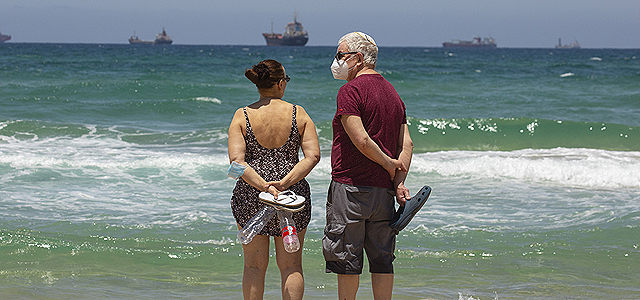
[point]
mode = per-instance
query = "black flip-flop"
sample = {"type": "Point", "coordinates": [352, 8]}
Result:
{"type": "Point", "coordinates": [405, 213]}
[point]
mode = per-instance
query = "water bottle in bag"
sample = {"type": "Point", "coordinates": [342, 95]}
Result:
{"type": "Point", "coordinates": [288, 229]}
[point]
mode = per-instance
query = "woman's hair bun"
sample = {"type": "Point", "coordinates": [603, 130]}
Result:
{"type": "Point", "coordinates": [265, 74]}
{"type": "Point", "coordinates": [262, 70]}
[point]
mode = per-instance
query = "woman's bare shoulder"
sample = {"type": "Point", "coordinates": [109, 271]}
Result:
{"type": "Point", "coordinates": [301, 114]}
{"type": "Point", "coordinates": [238, 116]}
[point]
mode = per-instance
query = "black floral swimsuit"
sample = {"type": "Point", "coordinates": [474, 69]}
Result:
{"type": "Point", "coordinates": [272, 165]}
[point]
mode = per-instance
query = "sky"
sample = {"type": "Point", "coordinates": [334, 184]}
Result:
{"type": "Point", "coordinates": [411, 23]}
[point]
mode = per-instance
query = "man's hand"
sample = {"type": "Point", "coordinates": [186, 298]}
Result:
{"type": "Point", "coordinates": [402, 194]}
{"type": "Point", "coordinates": [395, 165]}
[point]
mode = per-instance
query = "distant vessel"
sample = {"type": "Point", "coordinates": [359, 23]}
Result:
{"type": "Point", "coordinates": [574, 45]}
{"type": "Point", "coordinates": [477, 42]}
{"type": "Point", "coordinates": [4, 37]}
{"type": "Point", "coordinates": [294, 35]}
{"type": "Point", "coordinates": [161, 38]}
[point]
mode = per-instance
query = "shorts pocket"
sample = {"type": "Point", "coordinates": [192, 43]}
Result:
{"type": "Point", "coordinates": [333, 242]}
{"type": "Point", "coordinates": [357, 204]}
{"type": "Point", "coordinates": [358, 189]}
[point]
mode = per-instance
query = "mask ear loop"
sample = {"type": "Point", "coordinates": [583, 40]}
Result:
{"type": "Point", "coordinates": [354, 66]}
{"type": "Point", "coordinates": [360, 62]}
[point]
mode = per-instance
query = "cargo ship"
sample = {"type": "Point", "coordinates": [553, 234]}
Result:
{"type": "Point", "coordinates": [574, 45]}
{"type": "Point", "coordinates": [294, 35]}
{"type": "Point", "coordinates": [477, 42]}
{"type": "Point", "coordinates": [4, 37]}
{"type": "Point", "coordinates": [161, 39]}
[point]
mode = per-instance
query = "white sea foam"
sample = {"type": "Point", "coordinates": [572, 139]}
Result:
{"type": "Point", "coordinates": [108, 157]}
{"type": "Point", "coordinates": [209, 99]}
{"type": "Point", "coordinates": [561, 166]}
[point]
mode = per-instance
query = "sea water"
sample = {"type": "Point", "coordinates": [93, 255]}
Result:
{"type": "Point", "coordinates": [113, 164]}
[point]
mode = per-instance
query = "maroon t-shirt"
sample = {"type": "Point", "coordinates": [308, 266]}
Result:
{"type": "Point", "coordinates": [376, 102]}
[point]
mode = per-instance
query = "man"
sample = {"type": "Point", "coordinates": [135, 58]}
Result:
{"type": "Point", "coordinates": [370, 158]}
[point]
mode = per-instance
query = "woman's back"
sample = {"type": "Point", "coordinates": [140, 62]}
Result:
{"type": "Point", "coordinates": [271, 123]}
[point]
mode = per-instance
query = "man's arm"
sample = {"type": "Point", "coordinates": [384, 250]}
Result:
{"type": "Point", "coordinates": [363, 142]}
{"type": "Point", "coordinates": [405, 153]}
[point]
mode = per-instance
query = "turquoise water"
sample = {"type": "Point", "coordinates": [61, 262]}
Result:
{"type": "Point", "coordinates": [113, 160]}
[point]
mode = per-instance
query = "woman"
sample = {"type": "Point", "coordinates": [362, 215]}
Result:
{"type": "Point", "coordinates": [265, 137]}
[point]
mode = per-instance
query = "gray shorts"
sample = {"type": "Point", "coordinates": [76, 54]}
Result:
{"type": "Point", "coordinates": [358, 218]}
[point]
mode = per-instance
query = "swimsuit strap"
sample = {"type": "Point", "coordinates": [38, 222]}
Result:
{"type": "Point", "coordinates": [294, 122]}
{"type": "Point", "coordinates": [249, 134]}
{"type": "Point", "coordinates": [246, 117]}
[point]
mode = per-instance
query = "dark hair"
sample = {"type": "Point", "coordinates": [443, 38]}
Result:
{"type": "Point", "coordinates": [265, 74]}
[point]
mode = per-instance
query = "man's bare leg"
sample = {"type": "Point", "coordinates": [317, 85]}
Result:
{"type": "Point", "coordinates": [382, 285]}
{"type": "Point", "coordinates": [348, 286]}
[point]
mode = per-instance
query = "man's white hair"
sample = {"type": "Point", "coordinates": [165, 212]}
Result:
{"type": "Point", "coordinates": [361, 42]}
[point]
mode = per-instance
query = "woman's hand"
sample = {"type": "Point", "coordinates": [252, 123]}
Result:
{"type": "Point", "coordinates": [274, 188]}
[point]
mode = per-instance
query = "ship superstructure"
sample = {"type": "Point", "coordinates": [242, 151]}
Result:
{"type": "Point", "coordinates": [163, 39]}
{"type": "Point", "coordinates": [574, 45]}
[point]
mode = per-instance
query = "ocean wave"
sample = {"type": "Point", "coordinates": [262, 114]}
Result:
{"type": "Point", "coordinates": [47, 133]}
{"type": "Point", "coordinates": [589, 168]}
{"type": "Point", "coordinates": [522, 149]}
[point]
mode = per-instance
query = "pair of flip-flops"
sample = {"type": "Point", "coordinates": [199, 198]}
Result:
{"type": "Point", "coordinates": [405, 213]}
{"type": "Point", "coordinates": [287, 200]}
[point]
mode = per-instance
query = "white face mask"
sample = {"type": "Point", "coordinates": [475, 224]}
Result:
{"type": "Point", "coordinates": [340, 69]}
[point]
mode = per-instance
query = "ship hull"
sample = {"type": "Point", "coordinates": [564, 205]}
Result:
{"type": "Point", "coordinates": [275, 39]}
{"type": "Point", "coordinates": [457, 45]}
{"type": "Point", "coordinates": [156, 42]}
{"type": "Point", "coordinates": [477, 42]}
{"type": "Point", "coordinates": [140, 42]}
{"type": "Point", "coordinates": [4, 38]}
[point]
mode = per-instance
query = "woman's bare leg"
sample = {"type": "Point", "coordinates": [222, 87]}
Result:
{"type": "Point", "coordinates": [256, 260]}
{"type": "Point", "coordinates": [290, 265]}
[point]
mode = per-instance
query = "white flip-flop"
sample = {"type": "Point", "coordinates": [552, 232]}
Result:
{"type": "Point", "coordinates": [285, 199]}
{"type": "Point", "coordinates": [285, 208]}
{"type": "Point", "coordinates": [279, 206]}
